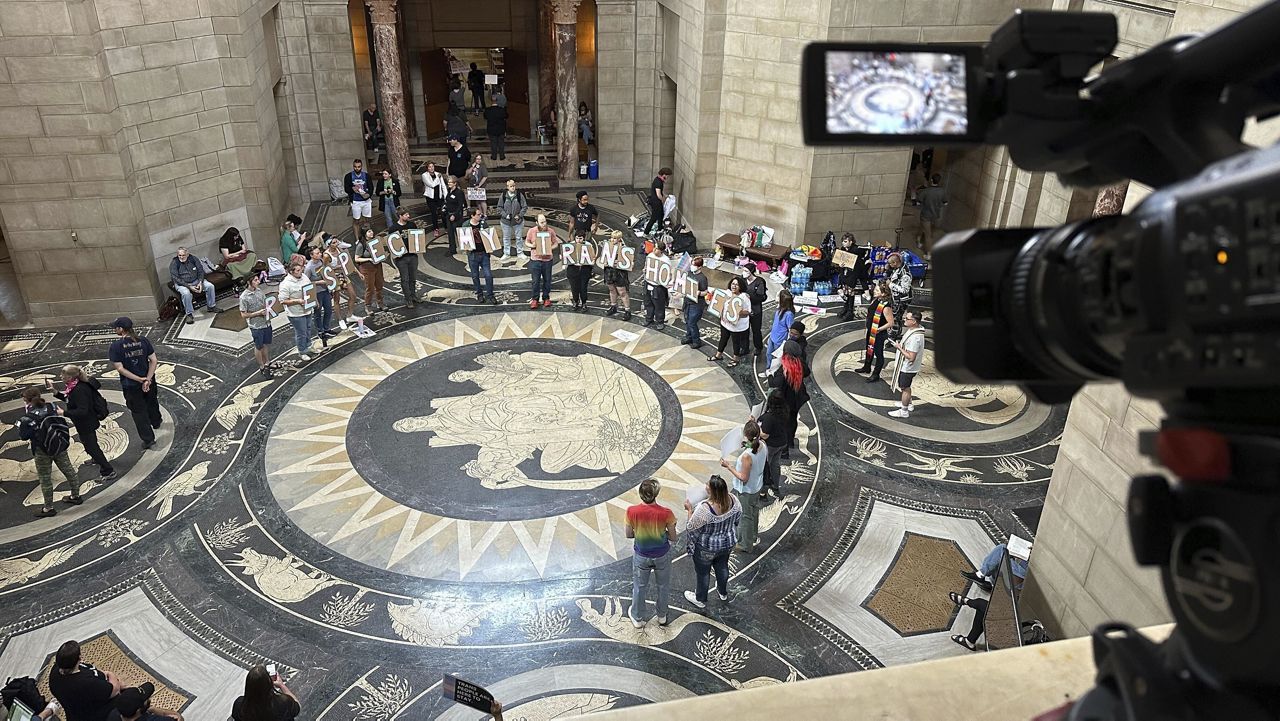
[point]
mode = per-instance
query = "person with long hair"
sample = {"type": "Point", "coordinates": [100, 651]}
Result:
{"type": "Point", "coordinates": [343, 288]}
{"type": "Point", "coordinates": [237, 259]}
{"type": "Point", "coordinates": [776, 428]}
{"type": "Point", "coordinates": [477, 176]}
{"type": "Point", "coordinates": [82, 394]}
{"type": "Point", "coordinates": [35, 416]}
{"type": "Point", "coordinates": [135, 360]}
{"type": "Point", "coordinates": [748, 479]}
{"type": "Point", "coordinates": [783, 317]}
{"type": "Point", "coordinates": [879, 324]}
{"type": "Point", "coordinates": [370, 271]}
{"type": "Point", "coordinates": [712, 532]}
{"type": "Point", "coordinates": [618, 281]}
{"type": "Point", "coordinates": [266, 698]}
{"type": "Point", "coordinates": [788, 382]}
{"type": "Point", "coordinates": [736, 327]}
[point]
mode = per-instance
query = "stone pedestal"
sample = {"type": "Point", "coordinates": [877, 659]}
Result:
{"type": "Point", "coordinates": [565, 15]}
{"type": "Point", "coordinates": [386, 51]}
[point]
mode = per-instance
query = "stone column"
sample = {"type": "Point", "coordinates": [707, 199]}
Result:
{"type": "Point", "coordinates": [386, 51]}
{"type": "Point", "coordinates": [565, 16]}
{"type": "Point", "coordinates": [546, 63]}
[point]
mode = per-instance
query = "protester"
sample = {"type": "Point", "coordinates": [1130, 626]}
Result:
{"type": "Point", "coordinates": [788, 382]}
{"type": "Point", "coordinates": [495, 126]}
{"type": "Point", "coordinates": [475, 80]}
{"type": "Point", "coordinates": [388, 197]}
{"type": "Point", "coordinates": [899, 284]}
{"type": "Point", "coordinates": [459, 157]}
{"type": "Point", "coordinates": [406, 264]}
{"type": "Point", "coordinates": [910, 361]}
{"type": "Point", "coordinates": [656, 297]}
{"type": "Point", "coordinates": [370, 271]}
{"type": "Point", "coordinates": [758, 290]}
{"type": "Point", "coordinates": [455, 212]}
{"type": "Point", "coordinates": [343, 287]}
{"type": "Point", "coordinates": [237, 259]}
{"type": "Point", "coordinates": [253, 308]}
{"type": "Point", "coordinates": [694, 307]}
{"type": "Point", "coordinates": [512, 205]}
{"type": "Point", "coordinates": [45, 427]}
{"type": "Point", "coordinates": [265, 698]}
{"type": "Point", "coordinates": [776, 428]}
{"type": "Point", "coordinates": [322, 315]}
{"type": "Point", "coordinates": [433, 191]}
{"type": "Point", "coordinates": [579, 278]}
{"type": "Point", "coordinates": [478, 260]}
{"type": "Point", "coordinates": [879, 324]}
{"type": "Point", "coordinates": [748, 479]}
{"type": "Point", "coordinates": [783, 317]}
{"type": "Point", "coordinates": [712, 532]}
{"type": "Point", "coordinates": [360, 192]}
{"type": "Point", "coordinates": [292, 296]}
{"type": "Point", "coordinates": [187, 274]}
{"type": "Point", "coordinates": [584, 217]}
{"type": "Point", "coordinates": [618, 282]}
{"type": "Point", "coordinates": [477, 177]}
{"type": "Point", "coordinates": [85, 409]}
{"type": "Point", "coordinates": [540, 264]}
{"type": "Point", "coordinates": [654, 528]}
{"type": "Point", "coordinates": [135, 361]}
{"type": "Point", "coordinates": [736, 327]}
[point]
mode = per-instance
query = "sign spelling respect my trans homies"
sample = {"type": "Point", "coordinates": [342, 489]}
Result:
{"type": "Point", "coordinates": [670, 273]}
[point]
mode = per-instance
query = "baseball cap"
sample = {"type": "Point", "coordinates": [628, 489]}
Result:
{"type": "Point", "coordinates": [130, 701]}
{"type": "Point", "coordinates": [122, 322]}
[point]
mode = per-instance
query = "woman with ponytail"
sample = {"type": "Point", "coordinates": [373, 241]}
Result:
{"type": "Point", "coordinates": [748, 480]}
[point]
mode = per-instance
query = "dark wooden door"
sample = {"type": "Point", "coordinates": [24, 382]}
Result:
{"type": "Point", "coordinates": [516, 79]}
{"type": "Point", "coordinates": [435, 90]}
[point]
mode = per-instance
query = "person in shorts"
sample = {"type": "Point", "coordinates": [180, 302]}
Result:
{"type": "Point", "coordinates": [359, 189]}
{"type": "Point", "coordinates": [910, 361]}
{"type": "Point", "coordinates": [253, 308]}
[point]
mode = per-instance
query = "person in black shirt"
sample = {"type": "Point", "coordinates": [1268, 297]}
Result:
{"type": "Point", "coordinates": [584, 219]}
{"type": "Point", "coordinates": [135, 360]}
{"type": "Point", "coordinates": [777, 429]}
{"type": "Point", "coordinates": [85, 692]}
{"type": "Point", "coordinates": [132, 705]}
{"type": "Point", "coordinates": [372, 126]}
{"type": "Point", "coordinates": [758, 291]}
{"type": "Point", "coordinates": [407, 264]}
{"type": "Point", "coordinates": [478, 260]}
{"type": "Point", "coordinates": [265, 699]}
{"type": "Point", "coordinates": [475, 80]}
{"type": "Point", "coordinates": [495, 117]}
{"type": "Point", "coordinates": [459, 158]}
{"type": "Point", "coordinates": [657, 196]}
{"type": "Point", "coordinates": [455, 212]}
{"type": "Point", "coordinates": [81, 391]}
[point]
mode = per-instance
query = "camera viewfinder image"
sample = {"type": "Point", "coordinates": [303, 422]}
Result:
{"type": "Point", "coordinates": [891, 93]}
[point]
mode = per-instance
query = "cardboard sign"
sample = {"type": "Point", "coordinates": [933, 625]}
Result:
{"type": "Point", "coordinates": [490, 240]}
{"type": "Point", "coordinates": [578, 253]}
{"type": "Point", "coordinates": [466, 241]}
{"type": "Point", "coordinates": [345, 260]}
{"type": "Point", "coordinates": [734, 309]}
{"type": "Point", "coordinates": [396, 245]}
{"type": "Point", "coordinates": [659, 271]}
{"type": "Point", "coordinates": [617, 255]}
{"type": "Point", "coordinates": [272, 301]}
{"type": "Point", "coordinates": [309, 296]}
{"type": "Point", "coordinates": [417, 240]}
{"type": "Point", "coordinates": [544, 241]}
{"type": "Point", "coordinates": [467, 693]}
{"type": "Point", "coordinates": [375, 249]}
{"type": "Point", "coordinates": [844, 259]}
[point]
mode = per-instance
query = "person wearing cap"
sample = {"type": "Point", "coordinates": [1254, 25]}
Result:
{"type": "Point", "coordinates": [253, 308]}
{"type": "Point", "coordinates": [132, 705]}
{"type": "Point", "coordinates": [135, 360]}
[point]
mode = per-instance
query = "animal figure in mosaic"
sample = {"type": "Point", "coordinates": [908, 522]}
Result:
{"type": "Point", "coordinates": [770, 514]}
{"type": "Point", "coordinates": [603, 418]}
{"type": "Point", "coordinates": [16, 571]}
{"type": "Point", "coordinates": [616, 624]}
{"type": "Point", "coordinates": [240, 405]}
{"type": "Point", "coordinates": [937, 468]}
{"type": "Point", "coordinates": [762, 681]}
{"type": "Point", "coordinates": [567, 705]}
{"type": "Point", "coordinates": [282, 580]}
{"type": "Point", "coordinates": [434, 624]}
{"type": "Point", "coordinates": [164, 374]}
{"type": "Point", "coordinates": [989, 405]}
{"type": "Point", "coordinates": [31, 379]}
{"type": "Point", "coordinates": [183, 484]}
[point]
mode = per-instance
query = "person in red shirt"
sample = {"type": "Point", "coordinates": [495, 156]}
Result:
{"type": "Point", "coordinates": [540, 263]}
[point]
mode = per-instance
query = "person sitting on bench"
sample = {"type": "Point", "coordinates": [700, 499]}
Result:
{"type": "Point", "coordinates": [187, 274]}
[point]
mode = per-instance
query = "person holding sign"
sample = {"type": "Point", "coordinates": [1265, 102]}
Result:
{"type": "Point", "coordinates": [455, 212]}
{"type": "Point", "coordinates": [253, 308]}
{"type": "Point", "coordinates": [333, 256]}
{"type": "Point", "coordinates": [695, 304]}
{"type": "Point", "coordinates": [477, 176]}
{"type": "Point", "coordinates": [369, 264]}
{"type": "Point", "coordinates": [293, 296]}
{"type": "Point", "coordinates": [748, 479]}
{"type": "Point", "coordinates": [656, 297]}
{"type": "Point", "coordinates": [618, 281]}
{"type": "Point", "coordinates": [578, 272]}
{"type": "Point", "coordinates": [407, 263]}
{"type": "Point", "coordinates": [712, 531]}
{"type": "Point", "coordinates": [735, 326]}
{"type": "Point", "coordinates": [478, 258]}
{"type": "Point", "coordinates": [322, 317]}
{"type": "Point", "coordinates": [541, 241]}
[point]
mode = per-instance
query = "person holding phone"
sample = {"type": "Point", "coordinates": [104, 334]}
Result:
{"type": "Point", "coordinates": [266, 698]}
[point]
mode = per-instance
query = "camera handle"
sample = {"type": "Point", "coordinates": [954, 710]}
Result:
{"type": "Point", "coordinates": [1216, 538]}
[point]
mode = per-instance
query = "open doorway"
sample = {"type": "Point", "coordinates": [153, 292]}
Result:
{"type": "Point", "coordinates": [13, 309]}
{"type": "Point", "coordinates": [502, 70]}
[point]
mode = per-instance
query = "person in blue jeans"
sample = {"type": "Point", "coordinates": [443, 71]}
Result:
{"type": "Point", "coordinates": [694, 307]}
{"type": "Point", "coordinates": [654, 528]}
{"type": "Point", "coordinates": [540, 263]}
{"type": "Point", "coordinates": [478, 261]}
{"type": "Point", "coordinates": [322, 317]}
{"type": "Point", "coordinates": [987, 570]}
{"type": "Point", "coordinates": [292, 295]}
{"type": "Point", "coordinates": [713, 532]}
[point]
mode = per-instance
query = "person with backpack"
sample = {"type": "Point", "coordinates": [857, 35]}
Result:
{"type": "Point", "coordinates": [44, 425]}
{"type": "Point", "coordinates": [712, 532]}
{"type": "Point", "coordinates": [87, 409]}
{"type": "Point", "coordinates": [135, 360]}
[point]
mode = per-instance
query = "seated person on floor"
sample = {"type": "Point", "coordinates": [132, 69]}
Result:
{"type": "Point", "coordinates": [987, 570]}
{"type": "Point", "coordinates": [132, 705]}
{"type": "Point", "coordinates": [979, 606]}
{"type": "Point", "coordinates": [238, 260]}
{"type": "Point", "coordinates": [85, 692]}
{"type": "Point", "coordinates": [187, 274]}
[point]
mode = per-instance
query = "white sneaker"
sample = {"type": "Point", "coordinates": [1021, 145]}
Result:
{"type": "Point", "coordinates": [634, 622]}
{"type": "Point", "coordinates": [911, 407]}
{"type": "Point", "coordinates": [342, 324]}
{"type": "Point", "coordinates": [900, 413]}
{"type": "Point", "coordinates": [692, 598]}
{"type": "Point", "coordinates": [304, 357]}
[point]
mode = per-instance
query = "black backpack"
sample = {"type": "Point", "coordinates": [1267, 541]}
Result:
{"type": "Point", "coordinates": [100, 409]}
{"type": "Point", "coordinates": [25, 690]}
{"type": "Point", "coordinates": [53, 434]}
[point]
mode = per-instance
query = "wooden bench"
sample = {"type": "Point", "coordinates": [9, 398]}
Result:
{"type": "Point", "coordinates": [773, 255]}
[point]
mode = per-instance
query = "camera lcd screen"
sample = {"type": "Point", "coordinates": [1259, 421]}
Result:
{"type": "Point", "coordinates": [896, 93]}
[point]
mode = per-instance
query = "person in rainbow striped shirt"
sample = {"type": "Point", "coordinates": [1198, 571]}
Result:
{"type": "Point", "coordinates": [654, 528]}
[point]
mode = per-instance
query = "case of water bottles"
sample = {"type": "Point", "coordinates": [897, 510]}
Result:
{"type": "Point", "coordinates": [823, 287]}
{"type": "Point", "coordinates": [800, 278]}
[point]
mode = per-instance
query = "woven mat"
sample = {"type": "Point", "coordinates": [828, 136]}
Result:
{"type": "Point", "coordinates": [913, 596]}
{"type": "Point", "coordinates": [107, 653]}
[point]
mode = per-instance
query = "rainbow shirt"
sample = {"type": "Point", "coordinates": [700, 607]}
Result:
{"type": "Point", "coordinates": [649, 521]}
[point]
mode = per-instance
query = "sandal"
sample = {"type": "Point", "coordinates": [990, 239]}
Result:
{"type": "Point", "coordinates": [964, 642]}
{"type": "Point", "coordinates": [733, 363]}
{"type": "Point", "coordinates": [714, 358]}
{"type": "Point", "coordinates": [956, 598]}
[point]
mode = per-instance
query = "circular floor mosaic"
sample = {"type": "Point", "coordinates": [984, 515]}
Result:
{"type": "Point", "coordinates": [528, 434]}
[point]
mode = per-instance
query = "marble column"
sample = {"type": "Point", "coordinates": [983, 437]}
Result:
{"type": "Point", "coordinates": [386, 52]}
{"type": "Point", "coordinates": [565, 15]}
{"type": "Point", "coordinates": [546, 63]}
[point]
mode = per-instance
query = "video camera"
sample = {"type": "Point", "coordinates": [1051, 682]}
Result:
{"type": "Point", "coordinates": [1180, 300]}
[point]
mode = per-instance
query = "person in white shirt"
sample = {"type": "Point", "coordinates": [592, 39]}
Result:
{"type": "Point", "coordinates": [433, 191]}
{"type": "Point", "coordinates": [292, 295]}
{"type": "Point", "coordinates": [910, 361]}
{"type": "Point", "coordinates": [735, 328]}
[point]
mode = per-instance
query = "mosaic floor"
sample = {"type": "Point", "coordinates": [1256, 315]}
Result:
{"type": "Point", "coordinates": [448, 497]}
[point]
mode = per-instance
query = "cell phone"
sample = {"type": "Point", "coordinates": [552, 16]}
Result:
{"type": "Point", "coordinates": [891, 94]}
{"type": "Point", "coordinates": [271, 671]}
